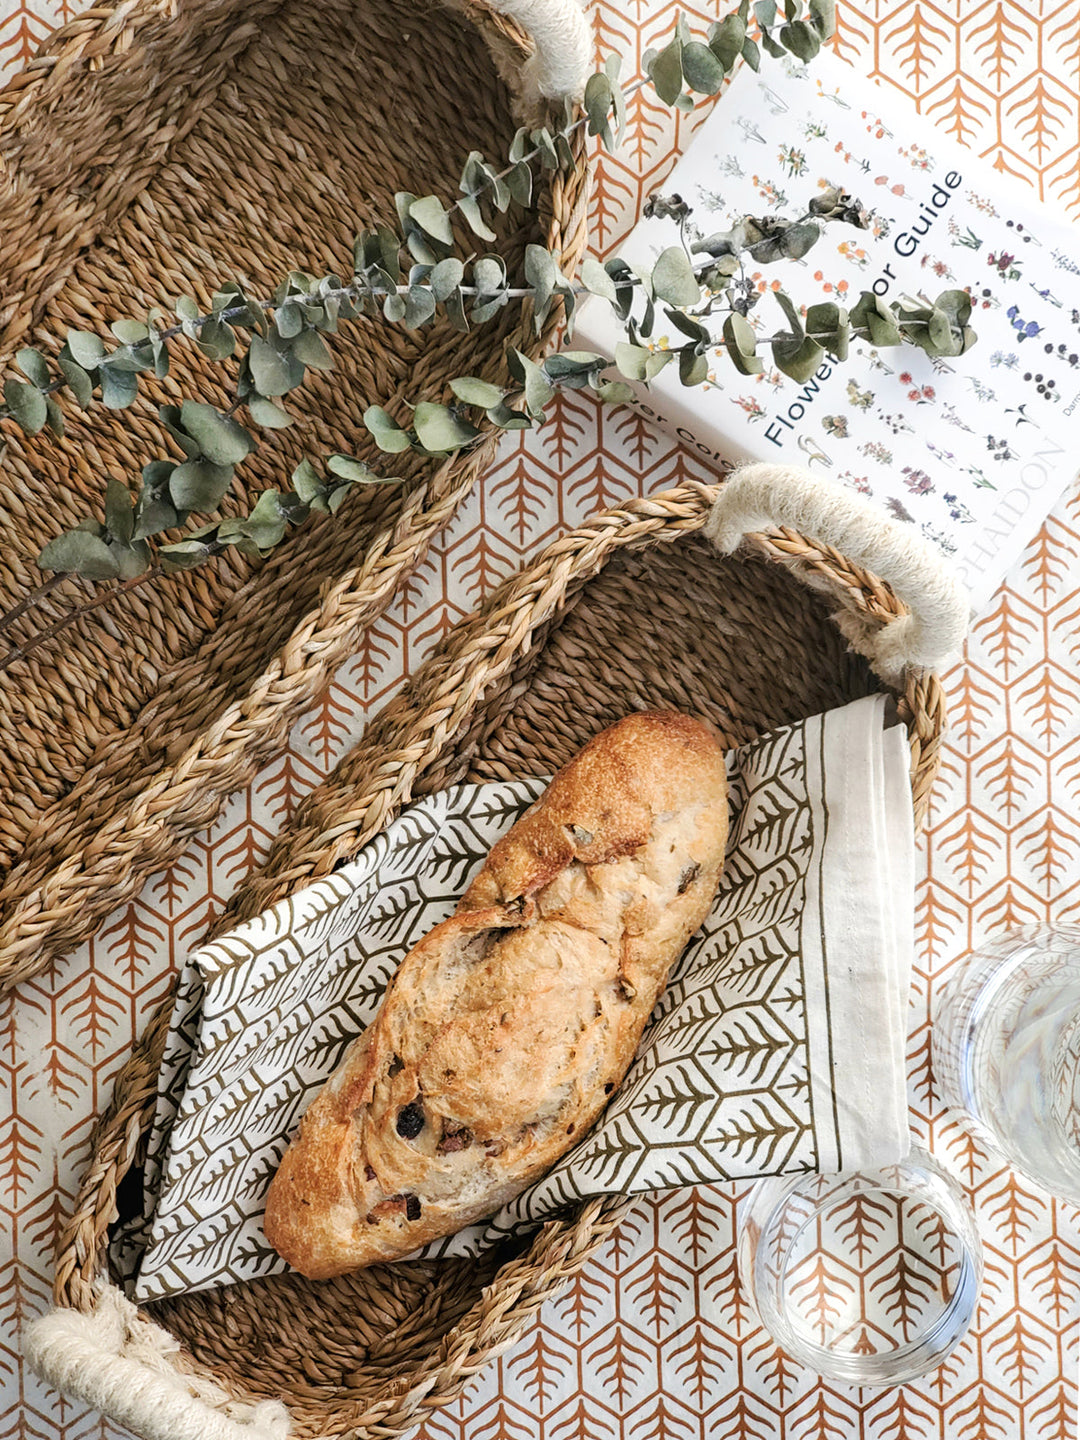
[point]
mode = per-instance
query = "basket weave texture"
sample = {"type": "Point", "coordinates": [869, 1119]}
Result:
{"type": "Point", "coordinates": [633, 609]}
{"type": "Point", "coordinates": [152, 150]}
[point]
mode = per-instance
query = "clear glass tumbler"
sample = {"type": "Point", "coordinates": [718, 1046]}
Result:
{"type": "Point", "coordinates": [1006, 1040]}
{"type": "Point", "coordinates": [869, 1277]}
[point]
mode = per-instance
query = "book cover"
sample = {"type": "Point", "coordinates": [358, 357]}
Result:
{"type": "Point", "coordinates": [975, 450]}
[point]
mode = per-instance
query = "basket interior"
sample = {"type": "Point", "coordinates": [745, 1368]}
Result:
{"type": "Point", "coordinates": [222, 143]}
{"type": "Point", "coordinates": [739, 641]}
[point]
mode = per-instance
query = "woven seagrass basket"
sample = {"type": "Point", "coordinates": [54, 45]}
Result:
{"type": "Point", "coordinates": [635, 609]}
{"type": "Point", "coordinates": [156, 148]}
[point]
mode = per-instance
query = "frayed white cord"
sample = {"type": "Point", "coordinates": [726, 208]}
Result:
{"type": "Point", "coordinates": [122, 1364]}
{"type": "Point", "coordinates": [760, 497]}
{"type": "Point", "coordinates": [560, 66]}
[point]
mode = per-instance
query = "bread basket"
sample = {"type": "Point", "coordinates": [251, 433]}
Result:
{"type": "Point", "coordinates": [635, 609]}
{"type": "Point", "coordinates": [154, 149]}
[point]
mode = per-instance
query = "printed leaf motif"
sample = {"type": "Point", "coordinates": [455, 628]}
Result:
{"type": "Point", "coordinates": [1005, 630]}
{"type": "Point", "coordinates": [916, 42]}
{"type": "Point", "coordinates": [1054, 1278]}
{"type": "Point", "coordinates": [620, 1364]}
{"type": "Point", "coordinates": [1013, 1211]}
{"type": "Point", "coordinates": [657, 1291]}
{"type": "Point", "coordinates": [1001, 41]}
{"type": "Point", "coordinates": [959, 112]}
{"type": "Point", "coordinates": [701, 1362]}
{"type": "Point", "coordinates": [540, 1369]}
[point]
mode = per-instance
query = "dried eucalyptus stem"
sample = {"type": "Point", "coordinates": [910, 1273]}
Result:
{"type": "Point", "coordinates": [408, 273]}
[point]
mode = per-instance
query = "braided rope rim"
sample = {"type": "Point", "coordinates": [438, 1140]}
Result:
{"type": "Point", "coordinates": [88, 856]}
{"type": "Point", "coordinates": [410, 747]}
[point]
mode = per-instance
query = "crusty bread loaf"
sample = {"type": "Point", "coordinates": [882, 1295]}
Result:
{"type": "Point", "coordinates": [506, 1029]}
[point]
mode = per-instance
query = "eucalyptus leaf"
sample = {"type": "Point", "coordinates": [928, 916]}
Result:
{"type": "Point", "coordinates": [267, 522]}
{"type": "Point", "coordinates": [85, 349]}
{"type": "Point", "coordinates": [81, 553]}
{"type": "Point", "coordinates": [34, 366]}
{"type": "Point", "coordinates": [614, 392]}
{"type": "Point", "coordinates": [388, 434]}
{"type": "Point", "coordinates": [26, 404]}
{"type": "Point", "coordinates": [289, 319]}
{"type": "Point", "coordinates": [693, 366]}
{"type": "Point", "coordinates": [200, 485]}
{"type": "Point", "coordinates": [129, 332]}
{"type": "Point", "coordinates": [220, 439]}
{"type": "Point", "coordinates": [79, 382]}
{"type": "Point", "coordinates": [310, 348]}
{"type": "Point", "coordinates": [186, 308]}
{"type": "Point", "coordinates": [131, 559]}
{"type": "Point", "coordinates": [631, 360]}
{"type": "Point", "coordinates": [800, 39]}
{"type": "Point", "coordinates": [474, 218]}
{"type": "Point", "coordinates": [272, 370]}
{"type": "Point", "coordinates": [445, 277]}
{"type": "Point", "coordinates": [751, 53]}
{"type": "Point", "coordinates": [153, 517]}
{"type": "Point", "coordinates": [535, 384]}
{"type": "Point", "coordinates": [520, 182]}
{"type": "Point", "coordinates": [419, 306]}
{"type": "Point", "coordinates": [726, 40]}
{"type": "Point", "coordinates": [393, 308]}
{"type": "Point", "coordinates": [703, 70]}
{"type": "Point", "coordinates": [823, 17]}
{"type": "Point", "coordinates": [741, 344]}
{"type": "Point", "coordinates": [597, 280]}
{"type": "Point", "coordinates": [666, 72]}
{"type": "Point", "coordinates": [507, 419]}
{"type": "Point", "coordinates": [673, 278]}
{"type": "Point", "coordinates": [796, 240]}
{"type": "Point", "coordinates": [118, 387]}
{"type": "Point", "coordinates": [184, 555]}
{"type": "Point", "coordinates": [472, 391]}
{"type": "Point", "coordinates": [439, 430]}
{"type": "Point", "coordinates": [267, 414]}
{"type": "Point", "coordinates": [542, 273]}
{"type": "Point", "coordinates": [429, 214]}
{"type": "Point", "coordinates": [54, 416]}
{"type": "Point", "coordinates": [119, 515]}
{"type": "Point", "coordinates": [798, 358]}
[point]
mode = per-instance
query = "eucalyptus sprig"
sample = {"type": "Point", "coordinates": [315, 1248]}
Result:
{"type": "Point", "coordinates": [424, 265]}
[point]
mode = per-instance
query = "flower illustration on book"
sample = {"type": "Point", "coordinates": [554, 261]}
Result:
{"type": "Point", "coordinates": [1025, 329]}
{"type": "Point", "coordinates": [1025, 235]}
{"type": "Point", "coordinates": [840, 288]}
{"type": "Point", "coordinates": [1005, 360]}
{"type": "Point", "coordinates": [770, 193]}
{"type": "Point", "coordinates": [897, 423]}
{"type": "Point", "coordinates": [897, 511]}
{"type": "Point", "coordinates": [860, 399]}
{"type": "Point", "coordinates": [939, 538]}
{"type": "Point", "coordinates": [814, 130]}
{"type": "Point", "coordinates": [848, 250]}
{"type": "Point", "coordinates": [916, 157]}
{"type": "Point", "coordinates": [999, 449]}
{"type": "Point", "coordinates": [984, 206]}
{"type": "Point", "coordinates": [1047, 295]}
{"type": "Point", "coordinates": [917, 481]}
{"type": "Point", "coordinates": [1065, 262]}
{"type": "Point", "coordinates": [965, 237]}
{"type": "Point", "coordinates": [917, 394]}
{"type": "Point", "coordinates": [793, 161]}
{"type": "Point", "coordinates": [836, 425]}
{"type": "Point", "coordinates": [857, 482]}
{"type": "Point", "coordinates": [938, 267]}
{"type": "Point", "coordinates": [875, 127]}
{"type": "Point", "coordinates": [985, 300]}
{"type": "Point", "coordinates": [986, 393]}
{"type": "Point", "coordinates": [749, 403]}
{"type": "Point", "coordinates": [979, 476]}
{"type": "Point", "coordinates": [894, 189]}
{"type": "Point", "coordinates": [875, 450]}
{"type": "Point", "coordinates": [945, 456]}
{"type": "Point", "coordinates": [958, 510]}
{"type": "Point", "coordinates": [1005, 265]}
{"type": "Point", "coordinates": [951, 416]}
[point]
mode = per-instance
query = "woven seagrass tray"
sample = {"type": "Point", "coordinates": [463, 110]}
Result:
{"type": "Point", "coordinates": [156, 148]}
{"type": "Point", "coordinates": [634, 609]}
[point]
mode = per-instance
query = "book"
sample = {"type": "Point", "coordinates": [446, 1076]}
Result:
{"type": "Point", "coordinates": [973, 450]}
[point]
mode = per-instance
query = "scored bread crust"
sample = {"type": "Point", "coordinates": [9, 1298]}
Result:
{"type": "Point", "coordinates": [507, 1028]}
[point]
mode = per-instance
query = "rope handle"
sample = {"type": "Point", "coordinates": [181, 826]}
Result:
{"type": "Point", "coordinates": [124, 1365]}
{"type": "Point", "coordinates": [759, 497]}
{"type": "Point", "coordinates": [560, 65]}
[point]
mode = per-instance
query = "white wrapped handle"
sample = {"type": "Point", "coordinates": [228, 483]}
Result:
{"type": "Point", "coordinates": [758, 497]}
{"type": "Point", "coordinates": [560, 66]}
{"type": "Point", "coordinates": [123, 1364]}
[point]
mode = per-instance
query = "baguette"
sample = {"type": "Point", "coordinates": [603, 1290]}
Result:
{"type": "Point", "coordinates": [508, 1027]}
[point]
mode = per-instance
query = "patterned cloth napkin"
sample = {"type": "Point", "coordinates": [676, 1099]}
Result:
{"type": "Point", "coordinates": [777, 1046]}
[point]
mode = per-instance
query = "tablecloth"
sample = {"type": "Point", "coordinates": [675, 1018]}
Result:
{"type": "Point", "coordinates": [653, 1340]}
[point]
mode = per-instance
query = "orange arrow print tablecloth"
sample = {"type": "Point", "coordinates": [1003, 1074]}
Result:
{"type": "Point", "coordinates": [653, 1341]}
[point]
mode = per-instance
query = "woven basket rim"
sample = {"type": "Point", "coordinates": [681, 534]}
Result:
{"type": "Point", "coordinates": [475, 646]}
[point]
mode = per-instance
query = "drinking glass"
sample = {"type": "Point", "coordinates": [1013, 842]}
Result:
{"type": "Point", "coordinates": [1006, 1045]}
{"type": "Point", "coordinates": [870, 1277]}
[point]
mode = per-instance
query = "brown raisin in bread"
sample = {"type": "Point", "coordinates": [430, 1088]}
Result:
{"type": "Point", "coordinates": [506, 1029]}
